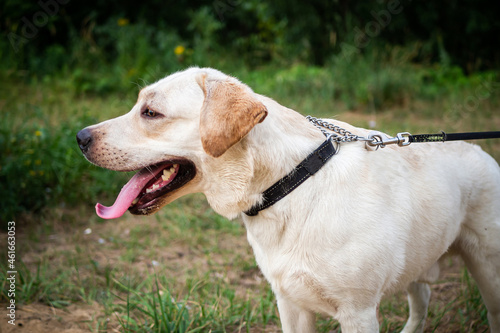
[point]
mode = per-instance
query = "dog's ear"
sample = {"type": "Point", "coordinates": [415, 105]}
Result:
{"type": "Point", "coordinates": [228, 113]}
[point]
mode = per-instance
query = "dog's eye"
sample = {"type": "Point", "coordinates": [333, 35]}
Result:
{"type": "Point", "coordinates": [149, 113]}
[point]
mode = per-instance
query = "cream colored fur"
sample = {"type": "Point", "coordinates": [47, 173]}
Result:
{"type": "Point", "coordinates": [367, 224]}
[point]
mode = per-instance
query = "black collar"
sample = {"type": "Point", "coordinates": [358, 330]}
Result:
{"type": "Point", "coordinates": [290, 182]}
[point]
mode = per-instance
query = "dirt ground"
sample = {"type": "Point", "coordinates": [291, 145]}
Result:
{"type": "Point", "coordinates": [40, 318]}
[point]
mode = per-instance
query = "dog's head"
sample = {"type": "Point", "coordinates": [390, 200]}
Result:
{"type": "Point", "coordinates": [178, 125]}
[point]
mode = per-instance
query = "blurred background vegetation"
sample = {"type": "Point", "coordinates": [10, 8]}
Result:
{"type": "Point", "coordinates": [61, 61]}
{"type": "Point", "coordinates": [63, 35]}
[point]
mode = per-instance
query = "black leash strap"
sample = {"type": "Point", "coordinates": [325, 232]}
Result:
{"type": "Point", "coordinates": [453, 136]}
{"type": "Point", "coordinates": [290, 182]}
{"type": "Point", "coordinates": [378, 139]}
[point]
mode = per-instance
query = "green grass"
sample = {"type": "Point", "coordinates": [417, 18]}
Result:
{"type": "Point", "coordinates": [141, 287]}
{"type": "Point", "coordinates": [187, 269]}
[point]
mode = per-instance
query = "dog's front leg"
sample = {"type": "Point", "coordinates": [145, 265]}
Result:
{"type": "Point", "coordinates": [295, 319]}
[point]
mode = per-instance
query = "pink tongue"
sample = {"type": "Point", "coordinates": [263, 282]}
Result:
{"type": "Point", "coordinates": [129, 192]}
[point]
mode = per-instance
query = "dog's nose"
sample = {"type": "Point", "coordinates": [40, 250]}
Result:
{"type": "Point", "coordinates": [84, 139]}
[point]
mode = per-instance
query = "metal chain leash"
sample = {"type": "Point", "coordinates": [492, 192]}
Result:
{"type": "Point", "coordinates": [378, 139]}
{"type": "Point", "coordinates": [343, 134]}
{"type": "Point", "coordinates": [374, 138]}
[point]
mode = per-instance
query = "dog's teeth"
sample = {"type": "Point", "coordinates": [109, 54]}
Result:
{"type": "Point", "coordinates": [136, 200]}
{"type": "Point", "coordinates": [166, 175]}
{"type": "Point", "coordinates": [172, 169]}
{"type": "Point", "coordinates": [149, 190]}
{"type": "Point", "coordinates": [155, 186]}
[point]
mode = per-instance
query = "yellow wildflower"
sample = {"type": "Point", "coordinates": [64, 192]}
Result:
{"type": "Point", "coordinates": [38, 133]}
{"type": "Point", "coordinates": [38, 162]}
{"type": "Point", "coordinates": [123, 22]}
{"type": "Point", "coordinates": [131, 72]}
{"type": "Point", "coordinates": [179, 50]}
{"type": "Point", "coordinates": [32, 173]}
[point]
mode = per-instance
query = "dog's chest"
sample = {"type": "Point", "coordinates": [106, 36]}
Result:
{"type": "Point", "coordinates": [292, 274]}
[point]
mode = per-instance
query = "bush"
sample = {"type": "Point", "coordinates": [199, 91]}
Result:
{"type": "Point", "coordinates": [41, 166]}
{"type": "Point", "coordinates": [379, 78]}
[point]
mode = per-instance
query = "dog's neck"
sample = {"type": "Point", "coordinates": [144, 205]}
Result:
{"type": "Point", "coordinates": [284, 136]}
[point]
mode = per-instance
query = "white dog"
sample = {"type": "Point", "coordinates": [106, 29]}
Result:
{"type": "Point", "coordinates": [365, 224]}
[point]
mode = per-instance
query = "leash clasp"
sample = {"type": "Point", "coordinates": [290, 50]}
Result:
{"type": "Point", "coordinates": [379, 139]}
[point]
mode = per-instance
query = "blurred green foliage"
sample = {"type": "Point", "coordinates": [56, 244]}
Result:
{"type": "Point", "coordinates": [41, 165]}
{"type": "Point", "coordinates": [50, 35]}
